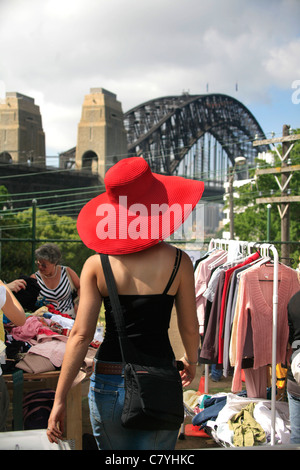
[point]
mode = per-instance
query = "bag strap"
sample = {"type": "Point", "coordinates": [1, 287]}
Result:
{"type": "Point", "coordinates": [174, 271]}
{"type": "Point", "coordinates": [127, 350]}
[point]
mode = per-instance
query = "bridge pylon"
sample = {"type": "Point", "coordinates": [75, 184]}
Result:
{"type": "Point", "coordinates": [101, 136]}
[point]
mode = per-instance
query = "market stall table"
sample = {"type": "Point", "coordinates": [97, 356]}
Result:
{"type": "Point", "coordinates": [73, 431]}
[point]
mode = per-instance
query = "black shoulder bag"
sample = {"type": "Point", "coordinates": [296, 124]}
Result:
{"type": "Point", "coordinates": [153, 387]}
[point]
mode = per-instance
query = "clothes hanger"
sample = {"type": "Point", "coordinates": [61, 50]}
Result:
{"type": "Point", "coordinates": [264, 277]}
{"type": "Point", "coordinates": [217, 261]}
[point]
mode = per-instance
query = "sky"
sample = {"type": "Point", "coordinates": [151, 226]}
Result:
{"type": "Point", "coordinates": [55, 51]}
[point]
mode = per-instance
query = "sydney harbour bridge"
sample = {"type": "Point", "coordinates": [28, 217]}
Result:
{"type": "Point", "coordinates": [197, 136]}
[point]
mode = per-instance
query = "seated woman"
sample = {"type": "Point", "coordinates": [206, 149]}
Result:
{"type": "Point", "coordinates": [55, 280]}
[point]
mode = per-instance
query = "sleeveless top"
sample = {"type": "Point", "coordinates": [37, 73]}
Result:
{"type": "Point", "coordinates": [61, 296]}
{"type": "Point", "coordinates": [147, 319]}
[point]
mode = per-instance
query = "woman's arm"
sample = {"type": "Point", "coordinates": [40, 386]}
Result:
{"type": "Point", "coordinates": [12, 308]}
{"type": "Point", "coordinates": [188, 325]}
{"type": "Point", "coordinates": [77, 345]}
{"type": "Point", "coordinates": [17, 285]}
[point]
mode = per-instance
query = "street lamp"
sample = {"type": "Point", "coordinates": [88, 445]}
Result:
{"type": "Point", "coordinates": [238, 161]}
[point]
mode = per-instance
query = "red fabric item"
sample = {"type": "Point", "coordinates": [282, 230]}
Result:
{"type": "Point", "coordinates": [228, 274]}
{"type": "Point", "coordinates": [53, 310]}
{"type": "Point", "coordinates": [191, 430]}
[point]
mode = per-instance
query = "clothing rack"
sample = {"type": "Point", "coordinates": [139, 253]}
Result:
{"type": "Point", "coordinates": [265, 250]}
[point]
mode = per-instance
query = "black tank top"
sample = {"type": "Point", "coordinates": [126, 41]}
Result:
{"type": "Point", "coordinates": [147, 320]}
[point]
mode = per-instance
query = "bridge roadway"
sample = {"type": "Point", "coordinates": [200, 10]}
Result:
{"type": "Point", "coordinates": [64, 187]}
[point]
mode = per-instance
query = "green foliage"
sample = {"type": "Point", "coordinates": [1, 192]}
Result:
{"type": "Point", "coordinates": [4, 196]}
{"type": "Point", "coordinates": [16, 256]}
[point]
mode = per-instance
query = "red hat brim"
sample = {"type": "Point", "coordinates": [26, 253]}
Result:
{"type": "Point", "coordinates": [124, 226]}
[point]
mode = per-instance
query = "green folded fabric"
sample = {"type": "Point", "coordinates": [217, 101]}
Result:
{"type": "Point", "coordinates": [247, 431]}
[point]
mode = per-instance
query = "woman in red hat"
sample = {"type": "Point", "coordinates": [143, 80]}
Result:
{"type": "Point", "coordinates": [129, 222]}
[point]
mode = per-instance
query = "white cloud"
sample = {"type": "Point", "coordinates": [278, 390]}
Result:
{"type": "Point", "coordinates": [283, 64]}
{"type": "Point", "coordinates": [61, 122]}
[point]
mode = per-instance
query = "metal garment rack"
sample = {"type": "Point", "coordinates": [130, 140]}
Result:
{"type": "Point", "coordinates": [265, 249]}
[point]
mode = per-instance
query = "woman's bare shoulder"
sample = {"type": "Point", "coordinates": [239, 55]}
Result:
{"type": "Point", "coordinates": [92, 263]}
{"type": "Point", "coordinates": [170, 251]}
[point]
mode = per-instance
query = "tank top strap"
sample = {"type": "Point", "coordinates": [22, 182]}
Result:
{"type": "Point", "coordinates": [174, 271]}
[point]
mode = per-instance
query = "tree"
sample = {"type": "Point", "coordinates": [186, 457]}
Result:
{"type": "Point", "coordinates": [4, 196]}
{"type": "Point", "coordinates": [16, 255]}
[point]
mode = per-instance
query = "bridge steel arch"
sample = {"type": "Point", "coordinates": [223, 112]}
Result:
{"type": "Point", "coordinates": [165, 130]}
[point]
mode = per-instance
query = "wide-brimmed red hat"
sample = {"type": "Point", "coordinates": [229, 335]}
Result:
{"type": "Point", "coordinates": [138, 209]}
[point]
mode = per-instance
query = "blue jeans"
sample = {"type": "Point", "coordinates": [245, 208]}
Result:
{"type": "Point", "coordinates": [106, 398]}
{"type": "Point", "coordinates": [216, 374]}
{"type": "Point", "coordinates": [294, 407]}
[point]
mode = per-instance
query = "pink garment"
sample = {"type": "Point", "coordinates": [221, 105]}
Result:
{"type": "Point", "coordinates": [256, 298]}
{"type": "Point", "coordinates": [29, 331]}
{"type": "Point", "coordinates": [202, 276]}
{"type": "Point", "coordinates": [53, 348]}
{"type": "Point", "coordinates": [256, 381]}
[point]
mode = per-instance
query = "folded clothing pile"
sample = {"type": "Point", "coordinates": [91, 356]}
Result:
{"type": "Point", "coordinates": [39, 345]}
{"type": "Point", "coordinates": [239, 421]}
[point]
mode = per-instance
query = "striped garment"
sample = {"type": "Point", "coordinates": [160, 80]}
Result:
{"type": "Point", "coordinates": [61, 296]}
